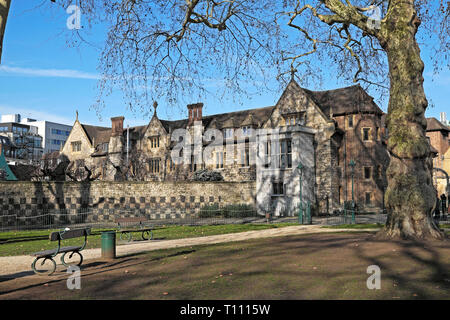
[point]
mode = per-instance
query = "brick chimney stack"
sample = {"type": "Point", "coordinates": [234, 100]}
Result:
{"type": "Point", "coordinates": [117, 126]}
{"type": "Point", "coordinates": [195, 112]}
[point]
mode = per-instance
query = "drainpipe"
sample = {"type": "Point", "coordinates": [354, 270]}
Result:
{"type": "Point", "coordinates": [128, 141]}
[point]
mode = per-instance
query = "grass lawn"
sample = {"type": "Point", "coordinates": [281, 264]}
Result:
{"type": "Point", "coordinates": [314, 266]}
{"type": "Point", "coordinates": [15, 243]}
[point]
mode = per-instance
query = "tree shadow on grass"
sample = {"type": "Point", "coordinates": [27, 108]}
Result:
{"type": "Point", "coordinates": [92, 269]}
{"type": "Point", "coordinates": [414, 251]}
{"type": "Point", "coordinates": [16, 275]}
{"type": "Point", "coordinates": [323, 266]}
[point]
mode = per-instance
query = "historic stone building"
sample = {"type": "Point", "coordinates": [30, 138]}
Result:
{"type": "Point", "coordinates": [349, 126]}
{"type": "Point", "coordinates": [322, 130]}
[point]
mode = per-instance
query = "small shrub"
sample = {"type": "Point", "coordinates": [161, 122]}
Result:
{"type": "Point", "coordinates": [229, 211]}
{"type": "Point", "coordinates": [239, 211]}
{"type": "Point", "coordinates": [210, 211]}
{"type": "Point", "coordinates": [348, 205]}
{"type": "Point", "coordinates": [207, 175]}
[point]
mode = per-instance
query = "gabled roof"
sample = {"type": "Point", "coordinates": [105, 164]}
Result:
{"type": "Point", "coordinates": [348, 100]}
{"type": "Point", "coordinates": [435, 125]}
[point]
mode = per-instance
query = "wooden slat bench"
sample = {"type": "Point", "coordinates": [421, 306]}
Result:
{"type": "Point", "coordinates": [134, 224]}
{"type": "Point", "coordinates": [50, 254]}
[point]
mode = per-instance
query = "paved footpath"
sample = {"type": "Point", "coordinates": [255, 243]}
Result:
{"type": "Point", "coordinates": [15, 265]}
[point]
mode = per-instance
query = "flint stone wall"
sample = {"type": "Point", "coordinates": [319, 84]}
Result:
{"type": "Point", "coordinates": [106, 200]}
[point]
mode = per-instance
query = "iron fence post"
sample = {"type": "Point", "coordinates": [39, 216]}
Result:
{"type": "Point", "coordinates": [300, 212]}
{"type": "Point", "coordinates": [308, 213]}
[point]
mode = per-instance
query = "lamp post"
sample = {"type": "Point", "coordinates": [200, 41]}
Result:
{"type": "Point", "coordinates": [300, 213]}
{"type": "Point", "coordinates": [352, 165]}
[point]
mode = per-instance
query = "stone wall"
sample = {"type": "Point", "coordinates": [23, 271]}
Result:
{"type": "Point", "coordinates": [288, 203]}
{"type": "Point", "coordinates": [107, 199]}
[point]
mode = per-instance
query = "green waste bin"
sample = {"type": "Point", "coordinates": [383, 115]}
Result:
{"type": "Point", "coordinates": [109, 244]}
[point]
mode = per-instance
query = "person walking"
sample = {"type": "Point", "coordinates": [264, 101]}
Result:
{"type": "Point", "coordinates": [437, 208]}
{"type": "Point", "coordinates": [443, 205]}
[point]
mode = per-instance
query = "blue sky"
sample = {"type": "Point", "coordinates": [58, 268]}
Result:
{"type": "Point", "coordinates": [42, 76]}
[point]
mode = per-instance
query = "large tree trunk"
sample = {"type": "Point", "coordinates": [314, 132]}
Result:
{"type": "Point", "coordinates": [410, 196]}
{"type": "Point", "coordinates": [4, 9]}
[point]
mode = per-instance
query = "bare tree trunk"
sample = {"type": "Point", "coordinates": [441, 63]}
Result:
{"type": "Point", "coordinates": [4, 9]}
{"type": "Point", "coordinates": [410, 196]}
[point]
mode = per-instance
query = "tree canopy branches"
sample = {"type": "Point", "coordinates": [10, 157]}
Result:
{"type": "Point", "coordinates": [166, 49]}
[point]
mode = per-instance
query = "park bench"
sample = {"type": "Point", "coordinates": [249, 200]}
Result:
{"type": "Point", "coordinates": [50, 254]}
{"type": "Point", "coordinates": [134, 224]}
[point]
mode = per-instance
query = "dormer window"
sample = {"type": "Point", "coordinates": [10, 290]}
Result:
{"type": "Point", "coordinates": [228, 133]}
{"type": "Point", "coordinates": [246, 130]}
{"type": "Point", "coordinates": [105, 147]}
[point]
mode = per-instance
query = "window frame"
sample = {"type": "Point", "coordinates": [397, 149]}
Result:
{"type": "Point", "coordinates": [278, 186]}
{"type": "Point", "coordinates": [368, 203]}
{"type": "Point", "coordinates": [350, 121]}
{"type": "Point", "coordinates": [369, 171]}
{"type": "Point", "coordinates": [77, 144]}
{"type": "Point", "coordinates": [363, 132]}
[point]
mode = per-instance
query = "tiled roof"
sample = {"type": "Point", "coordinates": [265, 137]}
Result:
{"type": "Point", "coordinates": [97, 135]}
{"type": "Point", "coordinates": [348, 100]}
{"type": "Point", "coordinates": [239, 118]}
{"type": "Point", "coordinates": [434, 125]}
{"type": "Point", "coordinates": [234, 119]}
{"type": "Point", "coordinates": [353, 99]}
{"type": "Point", "coordinates": [172, 125]}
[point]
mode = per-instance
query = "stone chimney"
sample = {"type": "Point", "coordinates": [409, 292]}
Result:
{"type": "Point", "coordinates": [195, 112]}
{"type": "Point", "coordinates": [117, 126]}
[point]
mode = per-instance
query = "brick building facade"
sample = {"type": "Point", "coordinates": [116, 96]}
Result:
{"type": "Point", "coordinates": [438, 135]}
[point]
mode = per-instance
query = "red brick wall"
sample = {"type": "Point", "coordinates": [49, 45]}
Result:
{"type": "Point", "coordinates": [371, 153]}
{"type": "Point", "coordinates": [440, 142]}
